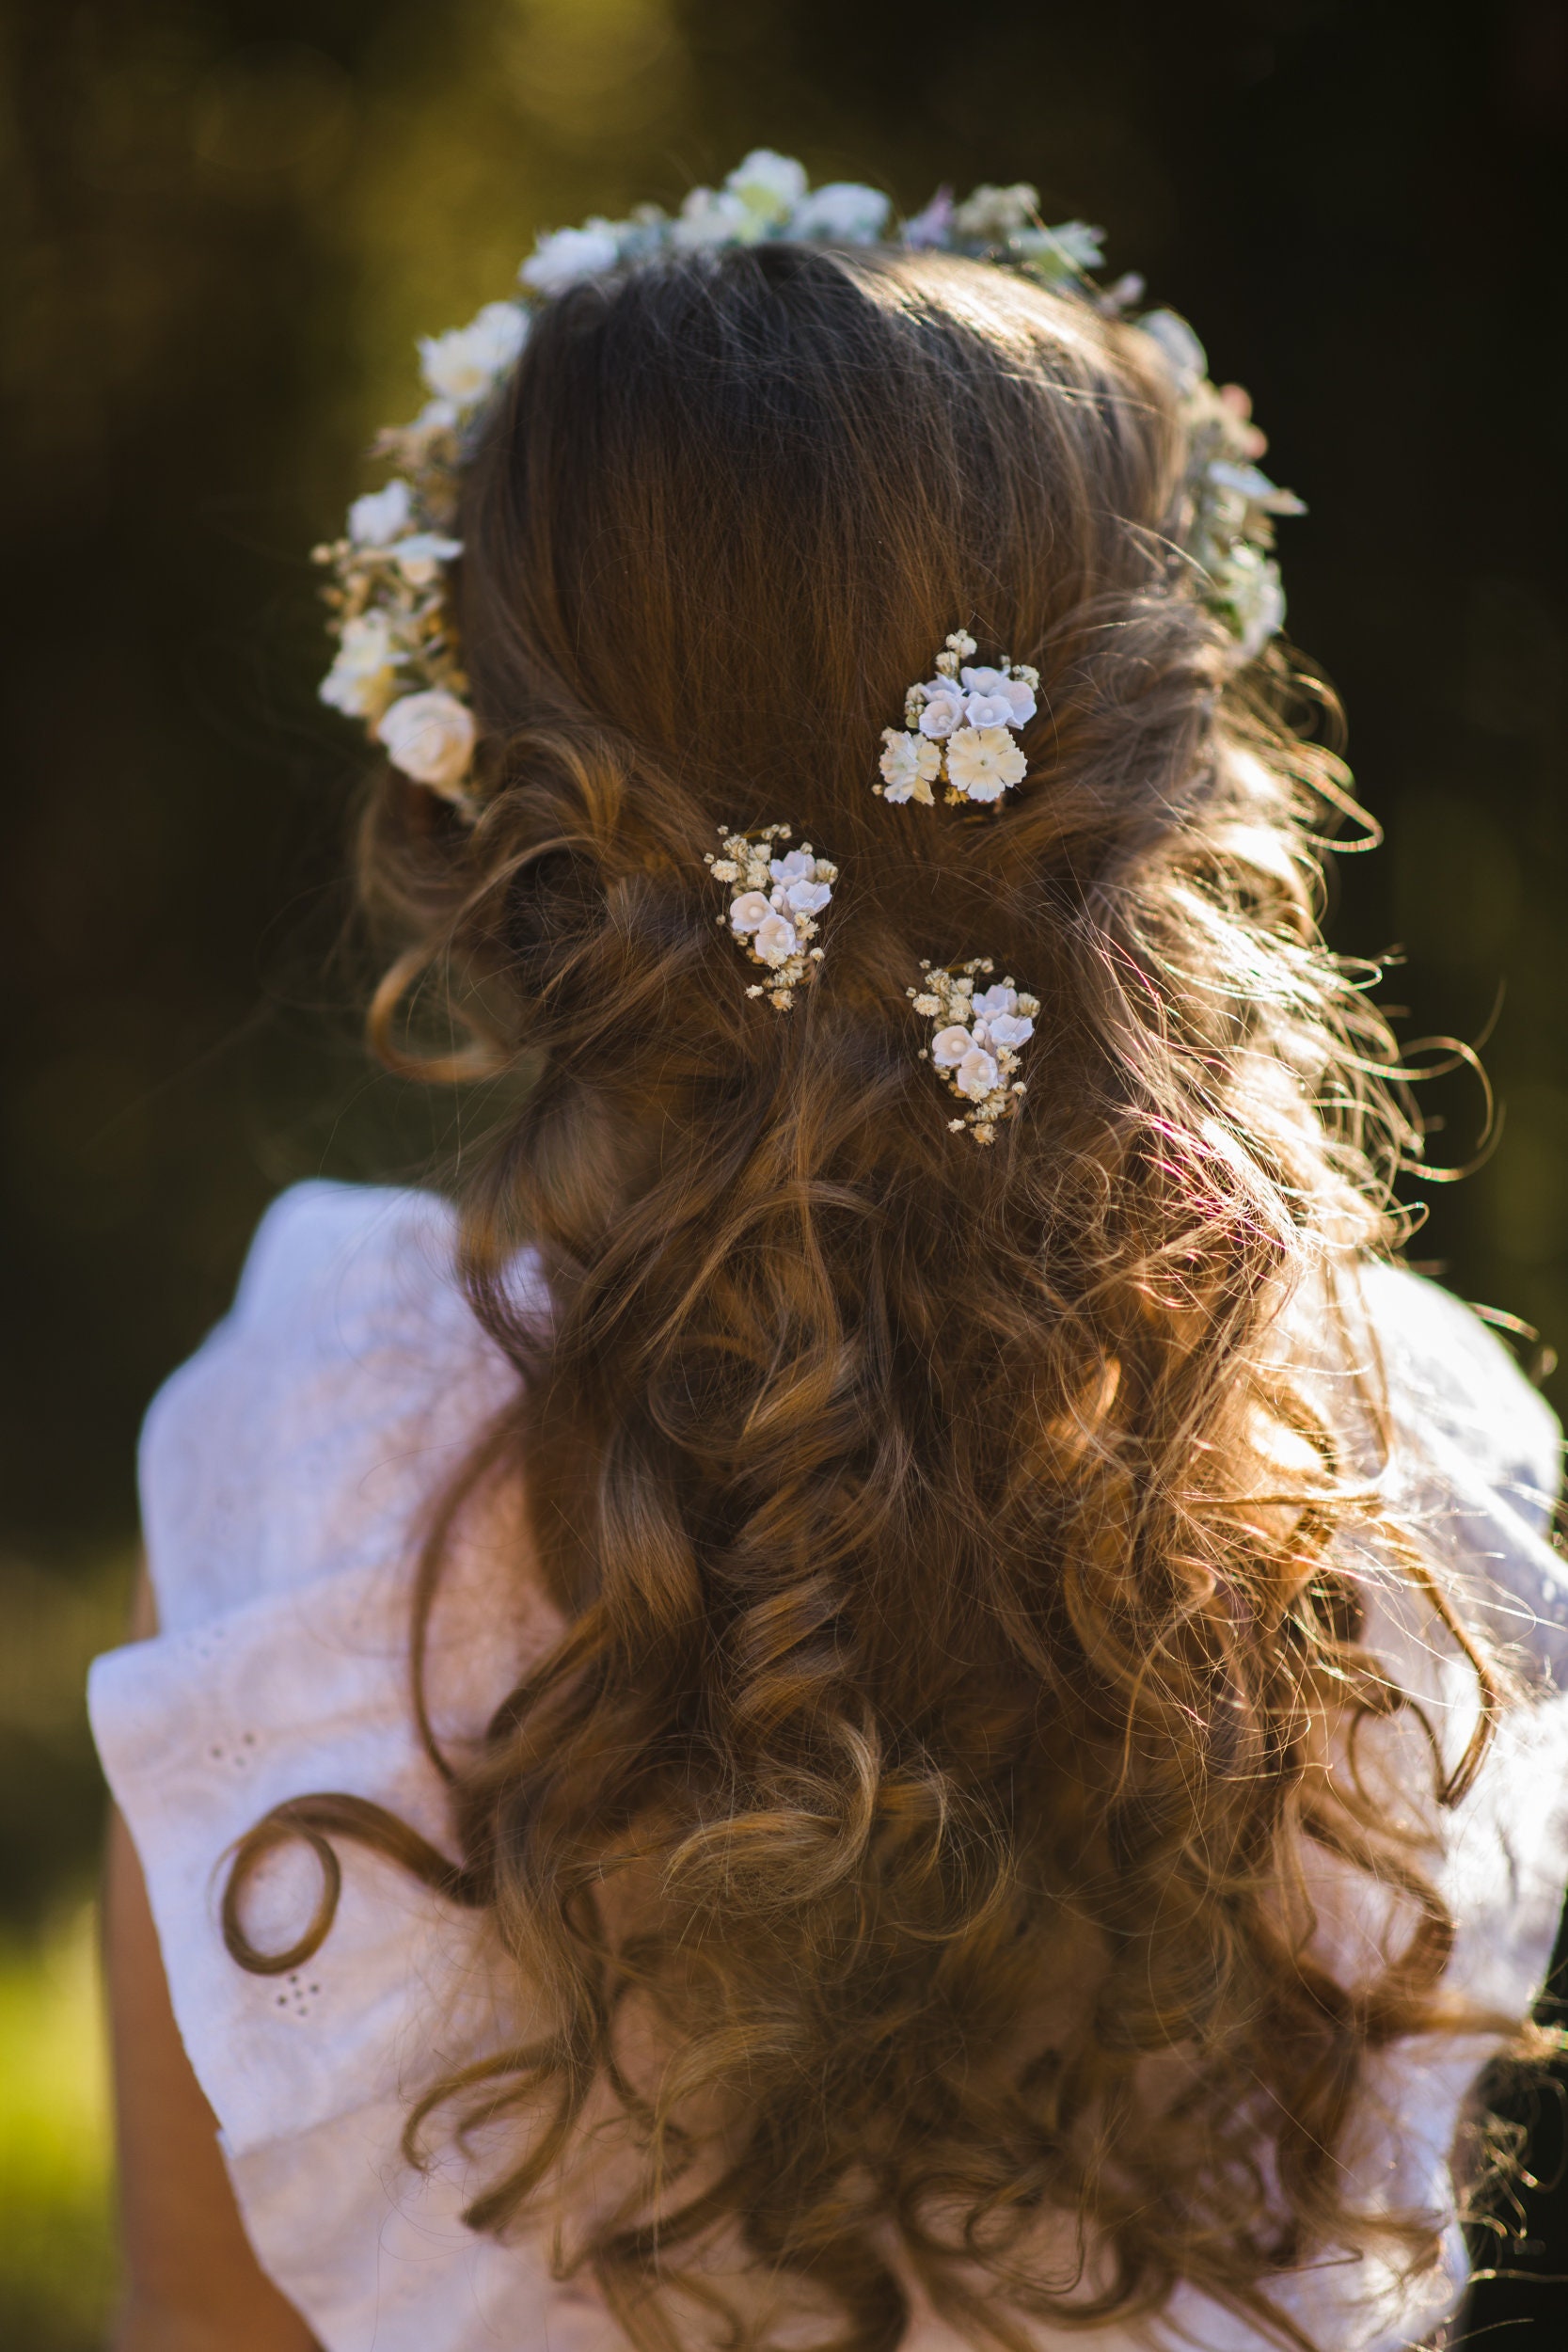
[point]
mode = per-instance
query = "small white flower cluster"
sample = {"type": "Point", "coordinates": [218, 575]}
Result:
{"type": "Point", "coordinates": [1229, 505]}
{"type": "Point", "coordinates": [774, 905]}
{"type": "Point", "coordinates": [975, 1048]}
{"type": "Point", "coordinates": [766, 197]}
{"type": "Point", "coordinates": [959, 730]}
{"type": "Point", "coordinates": [398, 667]}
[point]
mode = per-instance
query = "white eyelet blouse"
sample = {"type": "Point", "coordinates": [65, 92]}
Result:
{"type": "Point", "coordinates": [284, 1470]}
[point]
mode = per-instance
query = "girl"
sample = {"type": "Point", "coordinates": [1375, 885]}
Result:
{"type": "Point", "coordinates": [890, 1687]}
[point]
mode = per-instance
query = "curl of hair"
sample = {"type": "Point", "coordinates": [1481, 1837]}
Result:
{"type": "Point", "coordinates": [932, 1744]}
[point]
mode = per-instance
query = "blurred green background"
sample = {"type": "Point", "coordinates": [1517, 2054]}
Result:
{"type": "Point", "coordinates": [226, 224]}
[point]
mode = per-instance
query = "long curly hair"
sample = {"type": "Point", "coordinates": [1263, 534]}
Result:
{"type": "Point", "coordinates": [906, 1845]}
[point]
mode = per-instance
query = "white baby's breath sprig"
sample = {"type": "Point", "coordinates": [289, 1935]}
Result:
{"type": "Point", "coordinates": [975, 1037]}
{"type": "Point", "coordinates": [959, 730]}
{"type": "Point", "coordinates": [776, 896]}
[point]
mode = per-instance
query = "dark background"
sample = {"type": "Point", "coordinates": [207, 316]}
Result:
{"type": "Point", "coordinates": [228, 222]}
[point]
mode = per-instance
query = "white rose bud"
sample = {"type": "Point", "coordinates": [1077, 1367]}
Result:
{"type": "Point", "coordinates": [431, 737]}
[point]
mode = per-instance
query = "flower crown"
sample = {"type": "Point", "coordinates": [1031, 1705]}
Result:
{"type": "Point", "coordinates": [398, 665]}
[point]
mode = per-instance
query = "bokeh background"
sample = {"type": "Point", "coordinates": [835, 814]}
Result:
{"type": "Point", "coordinates": [225, 225]}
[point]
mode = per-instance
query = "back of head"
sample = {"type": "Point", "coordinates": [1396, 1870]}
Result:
{"type": "Point", "coordinates": [930, 1743]}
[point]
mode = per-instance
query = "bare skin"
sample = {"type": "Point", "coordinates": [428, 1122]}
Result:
{"type": "Point", "coordinates": [193, 2283]}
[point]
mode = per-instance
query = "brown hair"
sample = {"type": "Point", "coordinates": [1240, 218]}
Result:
{"type": "Point", "coordinates": [937, 1736]}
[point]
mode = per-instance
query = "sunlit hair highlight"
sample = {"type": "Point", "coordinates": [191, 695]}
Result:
{"type": "Point", "coordinates": [951, 1544]}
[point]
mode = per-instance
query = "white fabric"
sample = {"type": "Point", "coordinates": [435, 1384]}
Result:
{"type": "Point", "coordinates": [284, 1473]}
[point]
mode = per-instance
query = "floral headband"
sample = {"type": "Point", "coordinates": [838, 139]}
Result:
{"type": "Point", "coordinates": [398, 665]}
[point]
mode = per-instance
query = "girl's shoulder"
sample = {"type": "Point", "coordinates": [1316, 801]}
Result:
{"type": "Point", "coordinates": [1467, 1452]}
{"type": "Point", "coordinates": [1455, 1389]}
{"type": "Point", "coordinates": [286, 1475]}
{"type": "Point", "coordinates": [311, 1421]}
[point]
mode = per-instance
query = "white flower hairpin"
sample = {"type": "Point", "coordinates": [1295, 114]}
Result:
{"type": "Point", "coordinates": [975, 1045]}
{"type": "Point", "coordinates": [959, 730]}
{"type": "Point", "coordinates": [774, 904]}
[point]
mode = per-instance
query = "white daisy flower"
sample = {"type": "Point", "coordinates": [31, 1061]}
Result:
{"type": "Point", "coordinates": [982, 762]}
